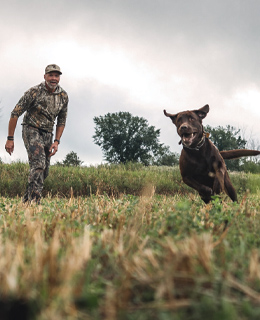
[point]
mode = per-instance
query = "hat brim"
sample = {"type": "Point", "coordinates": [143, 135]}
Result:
{"type": "Point", "coordinates": [53, 71]}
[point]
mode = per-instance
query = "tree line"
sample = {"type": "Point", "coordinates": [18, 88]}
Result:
{"type": "Point", "coordinates": [126, 138]}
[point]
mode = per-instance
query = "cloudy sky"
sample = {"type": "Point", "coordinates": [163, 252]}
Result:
{"type": "Point", "coordinates": [140, 56]}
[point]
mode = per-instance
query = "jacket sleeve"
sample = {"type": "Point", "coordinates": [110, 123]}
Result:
{"type": "Point", "coordinates": [24, 103]}
{"type": "Point", "coordinates": [62, 116]}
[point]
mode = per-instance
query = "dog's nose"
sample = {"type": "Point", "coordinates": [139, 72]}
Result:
{"type": "Point", "coordinates": [184, 127]}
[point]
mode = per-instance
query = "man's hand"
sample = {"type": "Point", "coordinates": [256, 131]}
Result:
{"type": "Point", "coordinates": [9, 146]}
{"type": "Point", "coordinates": [53, 149]}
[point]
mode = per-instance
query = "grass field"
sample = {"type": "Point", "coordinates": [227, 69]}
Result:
{"type": "Point", "coordinates": [127, 242]}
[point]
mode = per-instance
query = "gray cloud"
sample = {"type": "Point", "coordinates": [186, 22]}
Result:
{"type": "Point", "coordinates": [190, 52]}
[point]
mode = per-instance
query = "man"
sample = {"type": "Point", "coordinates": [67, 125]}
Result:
{"type": "Point", "coordinates": [42, 104]}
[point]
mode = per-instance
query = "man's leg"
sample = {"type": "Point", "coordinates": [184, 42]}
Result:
{"type": "Point", "coordinates": [47, 139]}
{"type": "Point", "coordinates": [34, 145]}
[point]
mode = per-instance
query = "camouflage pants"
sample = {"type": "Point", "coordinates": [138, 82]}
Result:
{"type": "Point", "coordinates": [37, 143]}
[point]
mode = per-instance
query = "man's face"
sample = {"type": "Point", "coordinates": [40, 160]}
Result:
{"type": "Point", "coordinates": [52, 80]}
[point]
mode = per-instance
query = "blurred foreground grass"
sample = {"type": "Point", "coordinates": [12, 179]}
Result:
{"type": "Point", "coordinates": [130, 257]}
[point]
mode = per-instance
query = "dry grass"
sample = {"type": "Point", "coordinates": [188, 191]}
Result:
{"type": "Point", "coordinates": [107, 258]}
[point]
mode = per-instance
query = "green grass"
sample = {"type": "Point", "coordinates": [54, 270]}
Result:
{"type": "Point", "coordinates": [112, 180]}
{"type": "Point", "coordinates": [155, 253]}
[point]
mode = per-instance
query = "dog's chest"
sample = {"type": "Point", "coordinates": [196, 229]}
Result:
{"type": "Point", "coordinates": [195, 164]}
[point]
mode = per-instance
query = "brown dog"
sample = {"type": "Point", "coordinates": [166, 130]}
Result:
{"type": "Point", "coordinates": [201, 164]}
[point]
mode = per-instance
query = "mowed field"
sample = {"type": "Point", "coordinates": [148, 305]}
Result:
{"type": "Point", "coordinates": [127, 242]}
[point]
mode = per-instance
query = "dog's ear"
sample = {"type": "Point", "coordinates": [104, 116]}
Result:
{"type": "Point", "coordinates": [172, 116]}
{"type": "Point", "coordinates": [202, 112]}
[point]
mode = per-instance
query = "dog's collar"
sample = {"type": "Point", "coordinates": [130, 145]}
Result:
{"type": "Point", "coordinates": [199, 145]}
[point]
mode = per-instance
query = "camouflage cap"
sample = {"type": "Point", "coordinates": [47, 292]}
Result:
{"type": "Point", "coordinates": [52, 68]}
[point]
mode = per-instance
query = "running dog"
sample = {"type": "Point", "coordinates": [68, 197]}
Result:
{"type": "Point", "coordinates": [202, 165]}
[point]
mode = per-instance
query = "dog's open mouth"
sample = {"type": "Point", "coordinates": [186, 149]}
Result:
{"type": "Point", "coordinates": [188, 138]}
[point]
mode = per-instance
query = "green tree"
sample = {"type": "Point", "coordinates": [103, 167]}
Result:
{"type": "Point", "coordinates": [227, 138]}
{"type": "Point", "coordinates": [251, 166]}
{"type": "Point", "coordinates": [165, 157]}
{"type": "Point", "coordinates": [71, 160]}
{"type": "Point", "coordinates": [124, 137]}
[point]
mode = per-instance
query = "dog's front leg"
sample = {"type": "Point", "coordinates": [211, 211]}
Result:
{"type": "Point", "coordinates": [205, 192]}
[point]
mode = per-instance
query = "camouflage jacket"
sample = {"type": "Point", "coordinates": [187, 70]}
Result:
{"type": "Point", "coordinates": [42, 107]}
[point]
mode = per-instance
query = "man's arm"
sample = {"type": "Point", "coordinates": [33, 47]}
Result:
{"type": "Point", "coordinates": [61, 121]}
{"type": "Point", "coordinates": [54, 147]}
{"type": "Point", "coordinates": [9, 146]}
{"type": "Point", "coordinates": [23, 104]}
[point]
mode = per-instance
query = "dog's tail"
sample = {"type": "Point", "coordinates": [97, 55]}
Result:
{"type": "Point", "coordinates": [238, 153]}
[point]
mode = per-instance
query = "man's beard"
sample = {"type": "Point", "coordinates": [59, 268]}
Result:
{"type": "Point", "coordinates": [52, 86]}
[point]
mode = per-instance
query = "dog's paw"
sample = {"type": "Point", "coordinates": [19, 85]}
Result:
{"type": "Point", "coordinates": [207, 191]}
{"type": "Point", "coordinates": [206, 194]}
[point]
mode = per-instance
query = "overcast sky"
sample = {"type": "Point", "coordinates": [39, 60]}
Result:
{"type": "Point", "coordinates": [140, 56]}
